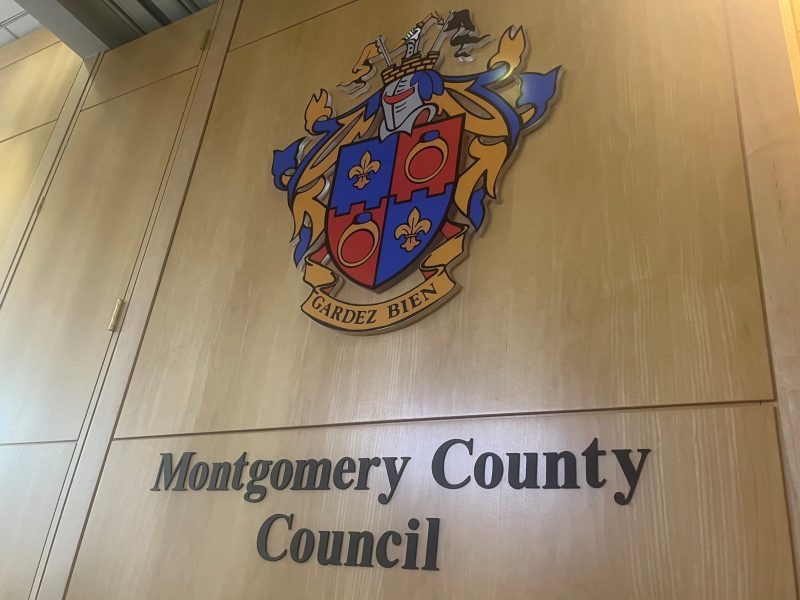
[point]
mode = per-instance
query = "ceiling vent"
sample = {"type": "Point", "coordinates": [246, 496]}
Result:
{"type": "Point", "coordinates": [91, 26]}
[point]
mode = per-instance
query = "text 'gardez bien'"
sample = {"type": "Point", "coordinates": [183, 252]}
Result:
{"type": "Point", "coordinates": [454, 466]}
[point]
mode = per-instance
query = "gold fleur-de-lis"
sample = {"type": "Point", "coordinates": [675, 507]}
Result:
{"type": "Point", "coordinates": [411, 230]}
{"type": "Point", "coordinates": [363, 170]}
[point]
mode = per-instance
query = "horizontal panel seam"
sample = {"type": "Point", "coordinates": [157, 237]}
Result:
{"type": "Point", "coordinates": [293, 25]}
{"type": "Point", "coordinates": [429, 419]}
{"type": "Point", "coordinates": [35, 442]}
{"type": "Point", "coordinates": [35, 52]}
{"type": "Point", "coordinates": [16, 135]}
{"type": "Point", "coordinates": [141, 87]}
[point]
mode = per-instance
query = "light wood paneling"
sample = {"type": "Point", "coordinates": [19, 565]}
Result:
{"type": "Point", "coordinates": [771, 135]}
{"type": "Point", "coordinates": [19, 159]}
{"type": "Point", "coordinates": [20, 230]}
{"type": "Point", "coordinates": [165, 52]}
{"type": "Point", "coordinates": [25, 46]}
{"type": "Point", "coordinates": [618, 270]}
{"type": "Point", "coordinates": [79, 259]}
{"type": "Point", "coordinates": [789, 15]}
{"type": "Point", "coordinates": [30, 480]}
{"type": "Point", "coordinates": [707, 521]}
{"type": "Point", "coordinates": [32, 90]}
{"type": "Point", "coordinates": [74, 508]}
{"type": "Point", "coordinates": [259, 19]}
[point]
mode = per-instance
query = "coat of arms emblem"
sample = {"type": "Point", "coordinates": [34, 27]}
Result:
{"type": "Point", "coordinates": [396, 183]}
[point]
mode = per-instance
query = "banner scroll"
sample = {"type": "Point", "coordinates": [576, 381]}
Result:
{"type": "Point", "coordinates": [369, 318]}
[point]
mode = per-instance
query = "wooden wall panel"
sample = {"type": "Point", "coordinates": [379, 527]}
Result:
{"type": "Point", "coordinates": [771, 141]}
{"type": "Point", "coordinates": [31, 477]}
{"type": "Point", "coordinates": [259, 19]}
{"type": "Point", "coordinates": [707, 521]}
{"type": "Point", "coordinates": [53, 323]}
{"type": "Point", "coordinates": [51, 580]}
{"type": "Point", "coordinates": [27, 114]}
{"type": "Point", "coordinates": [791, 19]}
{"type": "Point", "coordinates": [32, 90]}
{"type": "Point", "coordinates": [19, 159]}
{"type": "Point", "coordinates": [25, 46]}
{"type": "Point", "coordinates": [618, 269]}
{"type": "Point", "coordinates": [147, 59]}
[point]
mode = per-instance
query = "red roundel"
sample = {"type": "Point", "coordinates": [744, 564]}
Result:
{"type": "Point", "coordinates": [357, 247]}
{"type": "Point", "coordinates": [426, 163]}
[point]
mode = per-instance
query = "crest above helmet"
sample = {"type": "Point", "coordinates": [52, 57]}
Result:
{"type": "Point", "coordinates": [409, 66]}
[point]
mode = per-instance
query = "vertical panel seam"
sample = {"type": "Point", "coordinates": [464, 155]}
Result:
{"type": "Point", "coordinates": [97, 396]}
{"type": "Point", "coordinates": [146, 245]}
{"type": "Point", "coordinates": [73, 118]}
{"type": "Point", "coordinates": [746, 164]}
{"type": "Point", "coordinates": [16, 255]}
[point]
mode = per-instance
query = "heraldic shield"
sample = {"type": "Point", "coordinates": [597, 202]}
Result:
{"type": "Point", "coordinates": [397, 182]}
{"type": "Point", "coordinates": [390, 199]}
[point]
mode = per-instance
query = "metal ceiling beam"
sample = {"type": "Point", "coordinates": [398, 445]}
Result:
{"type": "Point", "coordinates": [92, 26]}
{"type": "Point", "coordinates": [86, 26]}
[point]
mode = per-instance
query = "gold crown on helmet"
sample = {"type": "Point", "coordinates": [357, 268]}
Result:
{"type": "Point", "coordinates": [409, 66]}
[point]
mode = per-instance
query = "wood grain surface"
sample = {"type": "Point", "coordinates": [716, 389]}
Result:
{"type": "Point", "coordinates": [618, 272]}
{"type": "Point", "coordinates": [24, 222]}
{"type": "Point", "coordinates": [771, 142]}
{"type": "Point", "coordinates": [259, 19]}
{"type": "Point", "coordinates": [32, 90]}
{"type": "Point", "coordinates": [31, 476]}
{"type": "Point", "coordinates": [707, 521]}
{"type": "Point", "coordinates": [19, 159]}
{"type": "Point", "coordinates": [79, 259]}
{"type": "Point", "coordinates": [74, 506]}
{"type": "Point", "coordinates": [791, 26]}
{"type": "Point", "coordinates": [25, 46]}
{"type": "Point", "coordinates": [618, 268]}
{"type": "Point", "coordinates": [145, 60]}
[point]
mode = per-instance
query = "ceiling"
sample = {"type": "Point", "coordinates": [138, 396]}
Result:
{"type": "Point", "coordinates": [149, 15]}
{"type": "Point", "coordinates": [88, 26]}
{"type": "Point", "coordinates": [14, 22]}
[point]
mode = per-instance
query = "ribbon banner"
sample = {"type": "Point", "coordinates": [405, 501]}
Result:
{"type": "Point", "coordinates": [367, 318]}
